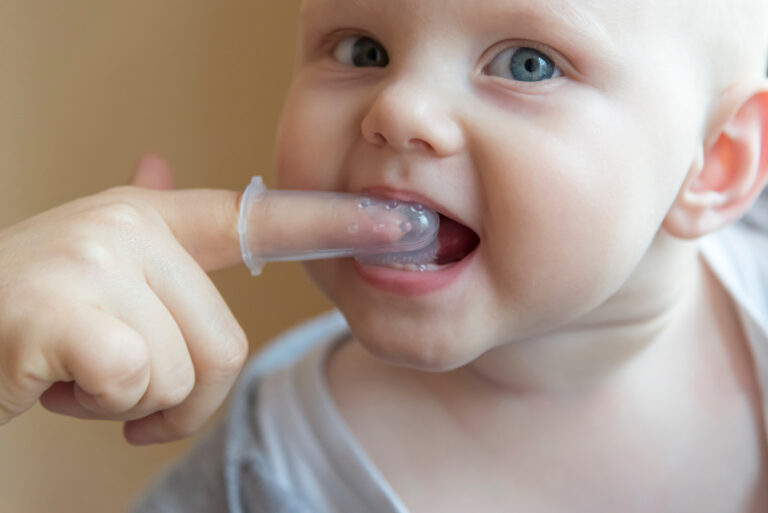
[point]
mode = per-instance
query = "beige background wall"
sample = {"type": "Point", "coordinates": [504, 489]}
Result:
{"type": "Point", "coordinates": [87, 86]}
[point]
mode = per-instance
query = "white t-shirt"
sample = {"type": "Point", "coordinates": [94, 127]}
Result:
{"type": "Point", "coordinates": [285, 447]}
{"type": "Point", "coordinates": [310, 447]}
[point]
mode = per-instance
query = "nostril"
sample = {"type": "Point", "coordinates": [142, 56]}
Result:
{"type": "Point", "coordinates": [420, 144]}
{"type": "Point", "coordinates": [379, 139]}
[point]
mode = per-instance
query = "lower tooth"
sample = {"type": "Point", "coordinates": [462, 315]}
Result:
{"type": "Point", "coordinates": [413, 267]}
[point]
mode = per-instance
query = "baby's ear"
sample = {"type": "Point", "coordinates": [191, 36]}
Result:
{"type": "Point", "coordinates": [728, 175]}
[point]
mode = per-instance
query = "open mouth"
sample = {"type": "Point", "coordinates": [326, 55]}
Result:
{"type": "Point", "coordinates": [454, 242]}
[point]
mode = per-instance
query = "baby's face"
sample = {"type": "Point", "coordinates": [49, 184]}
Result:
{"type": "Point", "coordinates": [559, 132]}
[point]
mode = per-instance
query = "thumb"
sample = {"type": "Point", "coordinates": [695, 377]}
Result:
{"type": "Point", "coordinates": [153, 172]}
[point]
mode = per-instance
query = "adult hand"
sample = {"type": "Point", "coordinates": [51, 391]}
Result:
{"type": "Point", "coordinates": [106, 310]}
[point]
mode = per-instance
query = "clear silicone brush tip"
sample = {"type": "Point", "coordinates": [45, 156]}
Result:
{"type": "Point", "coordinates": [309, 225]}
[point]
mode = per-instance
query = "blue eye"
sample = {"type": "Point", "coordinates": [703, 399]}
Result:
{"type": "Point", "coordinates": [361, 52]}
{"type": "Point", "coordinates": [523, 65]}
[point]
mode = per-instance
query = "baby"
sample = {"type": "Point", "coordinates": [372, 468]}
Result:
{"type": "Point", "coordinates": [575, 346]}
{"type": "Point", "coordinates": [588, 339]}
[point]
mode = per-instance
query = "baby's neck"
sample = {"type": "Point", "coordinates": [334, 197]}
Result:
{"type": "Point", "coordinates": [653, 314]}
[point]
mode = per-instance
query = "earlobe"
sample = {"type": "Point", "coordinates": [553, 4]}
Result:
{"type": "Point", "coordinates": [726, 178]}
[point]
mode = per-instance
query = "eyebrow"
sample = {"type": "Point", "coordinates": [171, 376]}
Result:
{"type": "Point", "coordinates": [308, 6]}
{"type": "Point", "coordinates": [565, 13]}
{"type": "Point", "coordinates": [570, 26]}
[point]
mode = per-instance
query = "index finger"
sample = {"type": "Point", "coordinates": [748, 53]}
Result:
{"type": "Point", "coordinates": [292, 225]}
{"type": "Point", "coordinates": [204, 221]}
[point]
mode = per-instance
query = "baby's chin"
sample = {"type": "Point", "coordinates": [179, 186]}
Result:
{"type": "Point", "coordinates": [433, 338]}
{"type": "Point", "coordinates": [415, 343]}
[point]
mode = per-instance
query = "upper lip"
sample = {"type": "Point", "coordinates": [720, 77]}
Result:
{"type": "Point", "coordinates": [411, 196]}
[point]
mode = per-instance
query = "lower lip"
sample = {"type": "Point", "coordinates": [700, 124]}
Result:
{"type": "Point", "coordinates": [412, 283]}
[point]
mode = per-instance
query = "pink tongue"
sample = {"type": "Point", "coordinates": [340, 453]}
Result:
{"type": "Point", "coordinates": [456, 241]}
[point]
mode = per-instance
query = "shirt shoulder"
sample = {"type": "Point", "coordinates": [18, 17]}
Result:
{"type": "Point", "coordinates": [738, 257]}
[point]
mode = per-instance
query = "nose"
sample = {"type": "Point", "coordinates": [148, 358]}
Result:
{"type": "Point", "coordinates": [413, 116]}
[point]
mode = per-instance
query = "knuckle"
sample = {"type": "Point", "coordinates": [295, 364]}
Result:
{"type": "Point", "coordinates": [93, 255]}
{"type": "Point", "coordinates": [126, 362]}
{"type": "Point", "coordinates": [119, 215]}
{"type": "Point", "coordinates": [175, 393]}
{"type": "Point", "coordinates": [232, 356]}
{"type": "Point", "coordinates": [94, 240]}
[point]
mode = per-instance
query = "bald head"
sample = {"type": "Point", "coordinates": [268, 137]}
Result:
{"type": "Point", "coordinates": [733, 37]}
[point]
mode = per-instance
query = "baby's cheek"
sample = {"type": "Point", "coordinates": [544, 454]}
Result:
{"type": "Point", "coordinates": [556, 244]}
{"type": "Point", "coordinates": [310, 147]}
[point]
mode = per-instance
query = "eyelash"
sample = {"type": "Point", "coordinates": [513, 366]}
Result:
{"type": "Point", "coordinates": [327, 45]}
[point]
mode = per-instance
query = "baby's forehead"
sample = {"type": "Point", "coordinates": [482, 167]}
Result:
{"type": "Point", "coordinates": [609, 12]}
{"type": "Point", "coordinates": [609, 15]}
